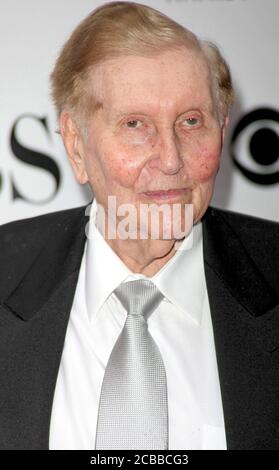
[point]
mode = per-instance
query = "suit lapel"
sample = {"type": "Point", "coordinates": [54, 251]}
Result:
{"type": "Point", "coordinates": [245, 318]}
{"type": "Point", "coordinates": [31, 340]}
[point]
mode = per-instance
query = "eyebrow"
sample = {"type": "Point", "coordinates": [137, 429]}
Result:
{"type": "Point", "coordinates": [123, 114]}
{"type": "Point", "coordinates": [114, 114]}
{"type": "Point", "coordinates": [208, 109]}
{"type": "Point", "coordinates": [111, 116]}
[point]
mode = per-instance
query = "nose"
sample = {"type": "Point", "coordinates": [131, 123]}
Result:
{"type": "Point", "coordinates": [167, 157]}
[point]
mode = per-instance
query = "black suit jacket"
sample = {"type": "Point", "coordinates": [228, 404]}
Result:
{"type": "Point", "coordinates": [39, 266]}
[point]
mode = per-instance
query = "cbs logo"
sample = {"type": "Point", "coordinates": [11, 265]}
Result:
{"type": "Point", "coordinates": [254, 146]}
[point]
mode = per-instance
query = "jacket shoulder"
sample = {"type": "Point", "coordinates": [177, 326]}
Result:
{"type": "Point", "coordinates": [23, 239]}
{"type": "Point", "coordinates": [18, 234]}
{"type": "Point", "coordinates": [244, 224]}
{"type": "Point", "coordinates": [258, 236]}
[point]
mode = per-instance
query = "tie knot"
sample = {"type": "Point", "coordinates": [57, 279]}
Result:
{"type": "Point", "coordinates": [139, 297]}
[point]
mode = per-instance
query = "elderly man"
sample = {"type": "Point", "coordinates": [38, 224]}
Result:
{"type": "Point", "coordinates": [118, 339]}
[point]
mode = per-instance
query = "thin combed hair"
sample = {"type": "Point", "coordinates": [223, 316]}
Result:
{"type": "Point", "coordinates": [125, 28]}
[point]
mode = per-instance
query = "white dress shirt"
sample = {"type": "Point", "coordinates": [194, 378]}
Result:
{"type": "Point", "coordinates": [181, 326]}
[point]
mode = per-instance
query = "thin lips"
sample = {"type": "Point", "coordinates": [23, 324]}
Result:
{"type": "Point", "coordinates": [164, 190]}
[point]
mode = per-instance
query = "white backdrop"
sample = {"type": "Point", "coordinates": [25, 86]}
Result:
{"type": "Point", "coordinates": [35, 176]}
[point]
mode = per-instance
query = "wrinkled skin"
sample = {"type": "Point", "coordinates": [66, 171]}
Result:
{"type": "Point", "coordinates": [155, 138]}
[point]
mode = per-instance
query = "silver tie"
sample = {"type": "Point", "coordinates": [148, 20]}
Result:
{"type": "Point", "coordinates": [133, 407]}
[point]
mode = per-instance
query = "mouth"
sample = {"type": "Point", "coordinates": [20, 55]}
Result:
{"type": "Point", "coordinates": [166, 194]}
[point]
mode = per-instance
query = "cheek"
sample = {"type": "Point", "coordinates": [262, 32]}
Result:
{"type": "Point", "coordinates": [120, 167]}
{"type": "Point", "coordinates": [206, 164]}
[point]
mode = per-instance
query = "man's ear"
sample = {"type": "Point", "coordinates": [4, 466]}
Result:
{"type": "Point", "coordinates": [73, 144]}
{"type": "Point", "coordinates": [224, 128]}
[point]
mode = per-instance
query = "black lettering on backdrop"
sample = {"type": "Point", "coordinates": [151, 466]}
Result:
{"type": "Point", "coordinates": [33, 158]}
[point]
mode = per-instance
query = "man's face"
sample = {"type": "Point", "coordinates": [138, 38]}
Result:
{"type": "Point", "coordinates": [156, 138]}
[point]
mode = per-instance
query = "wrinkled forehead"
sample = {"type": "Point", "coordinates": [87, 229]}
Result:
{"type": "Point", "coordinates": [167, 77]}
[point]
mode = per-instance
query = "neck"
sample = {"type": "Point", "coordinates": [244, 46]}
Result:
{"type": "Point", "coordinates": [144, 256]}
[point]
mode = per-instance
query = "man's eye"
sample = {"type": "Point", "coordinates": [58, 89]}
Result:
{"type": "Point", "coordinates": [191, 122]}
{"type": "Point", "coordinates": [133, 124]}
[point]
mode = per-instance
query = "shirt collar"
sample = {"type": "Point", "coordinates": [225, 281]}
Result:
{"type": "Point", "coordinates": [181, 280]}
{"type": "Point", "coordinates": [104, 270]}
